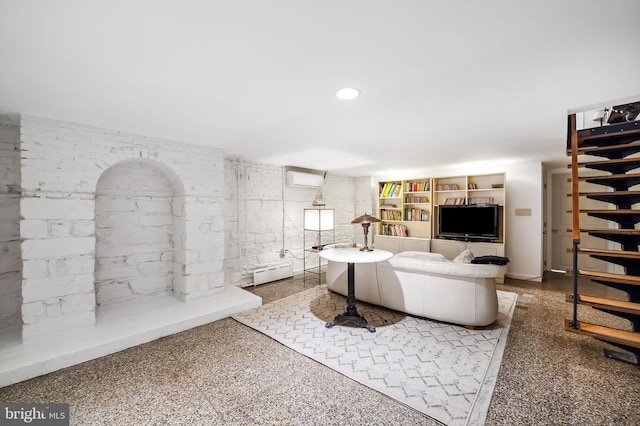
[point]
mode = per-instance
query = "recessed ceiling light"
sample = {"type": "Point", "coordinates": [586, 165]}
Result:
{"type": "Point", "coordinates": [347, 93]}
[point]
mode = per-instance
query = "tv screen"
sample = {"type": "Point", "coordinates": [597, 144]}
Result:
{"type": "Point", "coordinates": [468, 222]}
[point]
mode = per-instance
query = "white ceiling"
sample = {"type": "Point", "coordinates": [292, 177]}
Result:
{"type": "Point", "coordinates": [443, 82]}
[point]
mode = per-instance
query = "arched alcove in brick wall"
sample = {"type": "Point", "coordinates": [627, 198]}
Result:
{"type": "Point", "coordinates": [139, 231]}
{"type": "Point", "coordinates": [61, 164]}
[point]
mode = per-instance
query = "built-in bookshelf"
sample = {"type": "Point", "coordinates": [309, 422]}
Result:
{"type": "Point", "coordinates": [408, 210]}
{"type": "Point", "coordinates": [470, 189]}
{"type": "Point", "coordinates": [405, 208]}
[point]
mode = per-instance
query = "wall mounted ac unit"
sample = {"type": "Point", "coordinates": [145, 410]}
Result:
{"type": "Point", "coordinates": [309, 180]}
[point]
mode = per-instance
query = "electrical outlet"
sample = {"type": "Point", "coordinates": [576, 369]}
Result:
{"type": "Point", "coordinates": [523, 212]}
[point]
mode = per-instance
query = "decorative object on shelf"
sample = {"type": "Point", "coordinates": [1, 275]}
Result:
{"type": "Point", "coordinates": [601, 115]}
{"type": "Point", "coordinates": [366, 220]}
{"type": "Point", "coordinates": [319, 200]}
{"type": "Point", "coordinates": [624, 113]}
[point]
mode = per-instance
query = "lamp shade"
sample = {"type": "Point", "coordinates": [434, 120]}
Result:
{"type": "Point", "coordinates": [318, 219]}
{"type": "Point", "coordinates": [365, 218]}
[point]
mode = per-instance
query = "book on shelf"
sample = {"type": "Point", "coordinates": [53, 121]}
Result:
{"type": "Point", "coordinates": [390, 190]}
{"type": "Point", "coordinates": [447, 187]}
{"type": "Point", "coordinates": [390, 214]}
{"type": "Point", "coordinates": [416, 215]}
{"type": "Point", "coordinates": [417, 186]}
{"type": "Point", "coordinates": [394, 230]}
{"type": "Point", "coordinates": [416, 199]}
{"type": "Point", "coordinates": [454, 201]}
{"type": "Point", "coordinates": [481, 200]}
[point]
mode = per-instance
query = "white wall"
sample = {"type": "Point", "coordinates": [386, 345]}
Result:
{"type": "Point", "coordinates": [524, 190]}
{"type": "Point", "coordinates": [263, 216]}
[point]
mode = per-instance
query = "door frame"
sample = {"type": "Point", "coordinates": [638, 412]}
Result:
{"type": "Point", "coordinates": [548, 209]}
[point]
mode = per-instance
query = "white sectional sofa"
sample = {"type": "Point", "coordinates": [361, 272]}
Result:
{"type": "Point", "coordinates": [427, 285]}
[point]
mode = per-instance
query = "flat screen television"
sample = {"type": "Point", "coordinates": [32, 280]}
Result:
{"type": "Point", "coordinates": [475, 222]}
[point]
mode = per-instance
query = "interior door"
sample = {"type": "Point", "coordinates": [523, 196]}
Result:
{"type": "Point", "coordinates": [561, 235]}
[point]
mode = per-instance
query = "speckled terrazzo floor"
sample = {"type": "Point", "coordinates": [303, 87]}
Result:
{"type": "Point", "coordinates": [225, 373]}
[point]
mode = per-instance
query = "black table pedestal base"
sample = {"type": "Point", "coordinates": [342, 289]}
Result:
{"type": "Point", "coordinates": [351, 315]}
{"type": "Point", "coordinates": [357, 319]}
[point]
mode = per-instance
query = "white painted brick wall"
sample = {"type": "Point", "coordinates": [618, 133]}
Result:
{"type": "Point", "coordinates": [145, 227]}
{"type": "Point", "coordinates": [10, 261]}
{"type": "Point", "coordinates": [60, 168]}
{"type": "Point", "coordinates": [255, 202]}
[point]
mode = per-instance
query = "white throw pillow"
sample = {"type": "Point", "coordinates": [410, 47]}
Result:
{"type": "Point", "coordinates": [464, 257]}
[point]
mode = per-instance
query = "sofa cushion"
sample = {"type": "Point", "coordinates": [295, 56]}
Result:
{"type": "Point", "coordinates": [465, 257]}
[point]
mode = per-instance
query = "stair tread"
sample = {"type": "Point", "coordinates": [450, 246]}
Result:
{"type": "Point", "coordinates": [613, 132]}
{"type": "Point", "coordinates": [612, 231]}
{"type": "Point", "coordinates": [617, 161]}
{"type": "Point", "coordinates": [609, 276]}
{"type": "Point", "coordinates": [610, 211]}
{"type": "Point", "coordinates": [611, 177]}
{"type": "Point", "coordinates": [614, 335]}
{"type": "Point", "coordinates": [612, 253]}
{"type": "Point", "coordinates": [591, 150]}
{"type": "Point", "coordinates": [613, 304]}
{"type": "Point", "coordinates": [610, 193]}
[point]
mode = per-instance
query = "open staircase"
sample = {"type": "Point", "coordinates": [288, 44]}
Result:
{"type": "Point", "coordinates": [612, 150]}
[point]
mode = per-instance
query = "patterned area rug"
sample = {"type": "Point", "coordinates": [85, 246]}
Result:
{"type": "Point", "coordinates": [445, 371]}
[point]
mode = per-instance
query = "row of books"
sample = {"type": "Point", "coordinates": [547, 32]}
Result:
{"type": "Point", "coordinates": [447, 187]}
{"type": "Point", "coordinates": [416, 199]}
{"type": "Point", "coordinates": [390, 215]}
{"type": "Point", "coordinates": [418, 215]}
{"type": "Point", "coordinates": [394, 230]}
{"type": "Point", "coordinates": [481, 200]}
{"type": "Point", "coordinates": [417, 186]}
{"type": "Point", "coordinates": [454, 201]}
{"type": "Point", "coordinates": [390, 190]}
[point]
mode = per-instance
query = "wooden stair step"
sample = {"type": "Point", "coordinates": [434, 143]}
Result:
{"type": "Point", "coordinates": [610, 277]}
{"type": "Point", "coordinates": [607, 304]}
{"type": "Point", "coordinates": [630, 260]}
{"type": "Point", "coordinates": [620, 182]}
{"type": "Point", "coordinates": [607, 334]}
{"type": "Point", "coordinates": [625, 198]}
{"type": "Point", "coordinates": [620, 216]}
{"type": "Point", "coordinates": [610, 253]}
{"type": "Point", "coordinates": [612, 231]}
{"type": "Point", "coordinates": [611, 151]}
{"type": "Point", "coordinates": [608, 135]}
{"type": "Point", "coordinates": [612, 166]}
{"type": "Point", "coordinates": [629, 238]}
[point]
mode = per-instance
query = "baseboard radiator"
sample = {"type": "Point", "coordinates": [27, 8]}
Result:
{"type": "Point", "coordinates": [272, 273]}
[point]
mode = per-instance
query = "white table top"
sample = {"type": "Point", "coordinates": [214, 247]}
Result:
{"type": "Point", "coordinates": [354, 255]}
